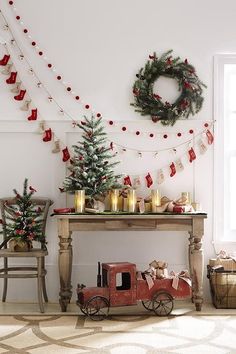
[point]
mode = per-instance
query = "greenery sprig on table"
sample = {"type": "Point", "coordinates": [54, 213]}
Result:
{"type": "Point", "coordinates": [23, 220]}
{"type": "Point", "coordinates": [92, 166]}
{"type": "Point", "coordinates": [150, 103]}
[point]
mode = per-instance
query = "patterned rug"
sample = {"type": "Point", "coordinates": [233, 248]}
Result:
{"type": "Point", "coordinates": [118, 334]}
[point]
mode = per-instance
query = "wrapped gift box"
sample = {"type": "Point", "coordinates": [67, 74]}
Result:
{"type": "Point", "coordinates": [228, 264]}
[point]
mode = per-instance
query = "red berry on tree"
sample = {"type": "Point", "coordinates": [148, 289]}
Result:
{"type": "Point", "coordinates": [206, 125]}
{"type": "Point", "coordinates": [186, 61]}
{"type": "Point", "coordinates": [68, 88]}
{"type": "Point", "coordinates": [33, 44]}
{"type": "Point", "coordinates": [49, 65]}
{"type": "Point", "coordinates": [25, 30]}
{"type": "Point", "coordinates": [99, 115]}
{"type": "Point", "coordinates": [18, 17]}
{"type": "Point", "coordinates": [40, 53]}
{"type": "Point", "coordinates": [87, 106]}
{"type": "Point", "coordinates": [10, 2]}
{"type": "Point", "coordinates": [111, 122]}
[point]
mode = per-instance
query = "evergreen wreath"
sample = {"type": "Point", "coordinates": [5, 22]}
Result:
{"type": "Point", "coordinates": [190, 86]}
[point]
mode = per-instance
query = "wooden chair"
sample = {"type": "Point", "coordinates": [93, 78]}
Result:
{"type": "Point", "coordinates": [38, 271]}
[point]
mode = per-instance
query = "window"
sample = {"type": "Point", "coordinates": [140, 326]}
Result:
{"type": "Point", "coordinates": [225, 150]}
{"type": "Point", "coordinates": [123, 281]}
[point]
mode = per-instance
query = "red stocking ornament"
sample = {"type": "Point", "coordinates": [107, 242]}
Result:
{"type": "Point", "coordinates": [172, 169]}
{"type": "Point", "coordinates": [210, 137]}
{"type": "Point", "coordinates": [192, 155]}
{"type": "Point", "coordinates": [34, 114]}
{"type": "Point", "coordinates": [127, 181]}
{"type": "Point", "coordinates": [12, 78]}
{"type": "Point", "coordinates": [47, 135]}
{"type": "Point", "coordinates": [4, 60]}
{"type": "Point", "coordinates": [66, 154]}
{"type": "Point", "coordinates": [149, 180]}
{"type": "Point", "coordinates": [20, 96]}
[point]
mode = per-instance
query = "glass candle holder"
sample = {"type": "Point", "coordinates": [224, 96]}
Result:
{"type": "Point", "coordinates": [187, 197]}
{"type": "Point", "coordinates": [131, 200]}
{"type": "Point", "coordinates": [114, 199]}
{"type": "Point", "coordinates": [156, 199]}
{"type": "Point", "coordinates": [80, 201]}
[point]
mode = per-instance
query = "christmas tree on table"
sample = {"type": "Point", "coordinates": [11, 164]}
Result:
{"type": "Point", "coordinates": [91, 166]}
{"type": "Point", "coordinates": [23, 221]}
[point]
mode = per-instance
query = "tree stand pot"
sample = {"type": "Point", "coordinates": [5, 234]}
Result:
{"type": "Point", "coordinates": [20, 245]}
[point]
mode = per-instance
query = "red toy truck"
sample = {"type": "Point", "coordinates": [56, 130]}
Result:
{"type": "Point", "coordinates": [118, 286]}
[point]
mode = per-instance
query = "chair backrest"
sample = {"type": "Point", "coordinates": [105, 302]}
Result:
{"type": "Point", "coordinates": [40, 202]}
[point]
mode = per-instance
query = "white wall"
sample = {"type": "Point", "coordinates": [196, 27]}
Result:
{"type": "Point", "coordinates": [98, 47]}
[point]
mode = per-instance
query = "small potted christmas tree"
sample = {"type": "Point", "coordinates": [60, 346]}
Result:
{"type": "Point", "coordinates": [91, 167]}
{"type": "Point", "coordinates": [23, 221]}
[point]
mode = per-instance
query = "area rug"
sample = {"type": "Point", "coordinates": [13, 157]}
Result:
{"type": "Point", "coordinates": [118, 334]}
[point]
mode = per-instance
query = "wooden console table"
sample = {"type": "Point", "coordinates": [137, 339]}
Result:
{"type": "Point", "coordinates": [192, 223]}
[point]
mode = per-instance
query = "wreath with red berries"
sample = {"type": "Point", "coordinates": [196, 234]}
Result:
{"type": "Point", "coordinates": [150, 103]}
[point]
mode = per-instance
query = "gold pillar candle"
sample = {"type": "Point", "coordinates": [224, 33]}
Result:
{"type": "Point", "coordinates": [114, 199]}
{"type": "Point", "coordinates": [156, 199]}
{"type": "Point", "coordinates": [80, 201]}
{"type": "Point", "coordinates": [187, 197]}
{"type": "Point", "coordinates": [132, 200]}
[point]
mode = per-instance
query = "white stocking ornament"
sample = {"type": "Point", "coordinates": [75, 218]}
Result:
{"type": "Point", "coordinates": [160, 176]}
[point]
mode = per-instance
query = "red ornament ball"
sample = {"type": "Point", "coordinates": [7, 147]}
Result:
{"type": "Point", "coordinates": [206, 125]}
{"type": "Point", "coordinates": [124, 129]}
{"type": "Point", "coordinates": [49, 65]}
{"type": "Point", "coordinates": [18, 17]}
{"type": "Point", "coordinates": [33, 44]}
{"type": "Point", "coordinates": [151, 135]}
{"type": "Point", "coordinates": [40, 53]}
{"type": "Point", "coordinates": [58, 77]}
{"type": "Point", "coordinates": [99, 115]}
{"type": "Point", "coordinates": [25, 30]}
{"type": "Point", "coordinates": [87, 106]}
{"type": "Point", "coordinates": [69, 89]}
{"type": "Point", "coordinates": [191, 131]}
{"type": "Point", "coordinates": [10, 2]}
{"type": "Point", "coordinates": [137, 132]}
{"type": "Point", "coordinates": [179, 134]}
{"type": "Point", "coordinates": [77, 98]}
{"type": "Point", "coordinates": [165, 136]}
{"type": "Point", "coordinates": [111, 122]}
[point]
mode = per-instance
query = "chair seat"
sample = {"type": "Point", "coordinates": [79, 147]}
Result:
{"type": "Point", "coordinates": [35, 252]}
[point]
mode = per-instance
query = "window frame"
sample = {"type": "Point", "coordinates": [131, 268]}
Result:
{"type": "Point", "coordinates": [220, 60]}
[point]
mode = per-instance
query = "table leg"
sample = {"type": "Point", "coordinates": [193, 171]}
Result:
{"type": "Point", "coordinates": [64, 263]}
{"type": "Point", "coordinates": [197, 263]}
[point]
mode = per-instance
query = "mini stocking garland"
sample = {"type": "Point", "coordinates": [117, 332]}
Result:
{"type": "Point", "coordinates": [210, 137]}
{"type": "Point", "coordinates": [20, 96]}
{"type": "Point", "coordinates": [149, 180]}
{"type": "Point", "coordinates": [137, 182]}
{"type": "Point", "coordinates": [66, 154]}
{"type": "Point", "coordinates": [160, 176]}
{"type": "Point", "coordinates": [4, 60]}
{"type": "Point", "coordinates": [25, 106]}
{"type": "Point", "coordinates": [202, 147]}
{"type": "Point", "coordinates": [56, 148]}
{"type": "Point", "coordinates": [47, 135]}
{"type": "Point", "coordinates": [12, 78]}
{"type": "Point", "coordinates": [179, 165]}
{"type": "Point", "coordinates": [127, 181]}
{"type": "Point", "coordinates": [34, 114]}
{"type": "Point", "coordinates": [16, 88]}
{"type": "Point", "coordinates": [172, 169]}
{"type": "Point", "coordinates": [192, 155]}
{"type": "Point", "coordinates": [7, 69]}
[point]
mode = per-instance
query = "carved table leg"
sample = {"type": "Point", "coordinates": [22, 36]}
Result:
{"type": "Point", "coordinates": [196, 261]}
{"type": "Point", "coordinates": [190, 251]}
{"type": "Point", "coordinates": [65, 263]}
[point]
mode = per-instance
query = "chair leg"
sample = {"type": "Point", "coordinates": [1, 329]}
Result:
{"type": "Point", "coordinates": [44, 281]}
{"type": "Point", "coordinates": [39, 279]}
{"type": "Point", "coordinates": [5, 283]}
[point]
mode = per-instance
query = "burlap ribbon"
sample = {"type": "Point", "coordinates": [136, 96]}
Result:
{"type": "Point", "coordinates": [184, 274]}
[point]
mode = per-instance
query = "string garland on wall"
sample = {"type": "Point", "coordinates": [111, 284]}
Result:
{"type": "Point", "coordinates": [49, 135]}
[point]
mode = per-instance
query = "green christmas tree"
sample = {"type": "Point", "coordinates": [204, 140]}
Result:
{"type": "Point", "coordinates": [92, 166]}
{"type": "Point", "coordinates": [23, 219]}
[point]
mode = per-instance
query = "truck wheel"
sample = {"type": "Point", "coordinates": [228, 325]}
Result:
{"type": "Point", "coordinates": [147, 304]}
{"type": "Point", "coordinates": [97, 308]}
{"type": "Point", "coordinates": [162, 303]}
